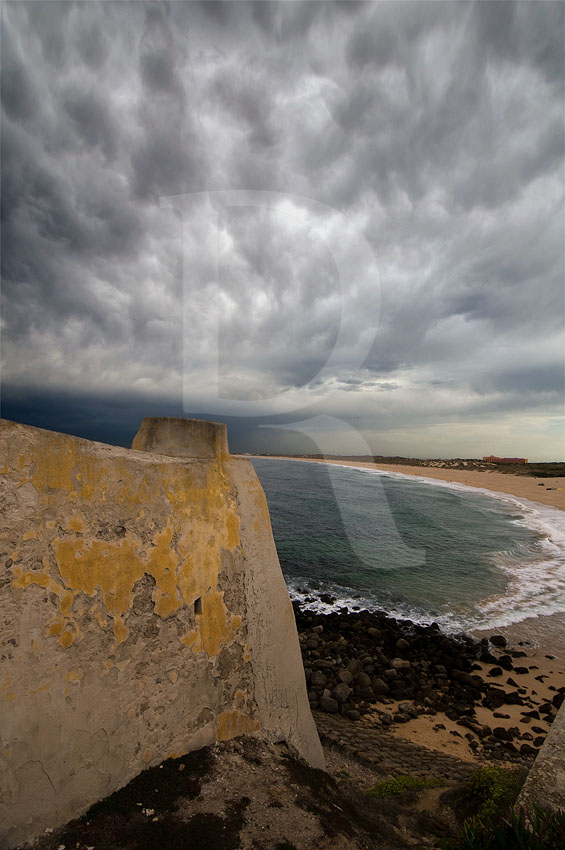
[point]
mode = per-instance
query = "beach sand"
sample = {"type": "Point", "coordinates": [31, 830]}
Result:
{"type": "Point", "coordinates": [546, 491]}
{"type": "Point", "coordinates": [540, 636]}
{"type": "Point", "coordinates": [451, 738]}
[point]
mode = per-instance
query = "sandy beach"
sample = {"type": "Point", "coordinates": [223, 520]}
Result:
{"type": "Point", "coordinates": [540, 637]}
{"type": "Point", "coordinates": [546, 491]}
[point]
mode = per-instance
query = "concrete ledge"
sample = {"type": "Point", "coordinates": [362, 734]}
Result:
{"type": "Point", "coordinates": [176, 437]}
{"type": "Point", "coordinates": [545, 785]}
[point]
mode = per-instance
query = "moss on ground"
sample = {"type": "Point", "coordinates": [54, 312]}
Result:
{"type": "Point", "coordinates": [404, 784]}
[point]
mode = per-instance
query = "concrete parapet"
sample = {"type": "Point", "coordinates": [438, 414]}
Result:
{"type": "Point", "coordinates": [176, 437]}
{"type": "Point", "coordinates": [545, 785]}
{"type": "Point", "coordinates": [143, 614]}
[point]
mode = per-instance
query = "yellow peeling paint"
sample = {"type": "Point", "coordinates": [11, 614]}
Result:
{"type": "Point", "coordinates": [195, 521]}
{"type": "Point", "coordinates": [216, 627]}
{"type": "Point", "coordinates": [67, 638]}
{"type": "Point", "coordinates": [25, 579]}
{"type": "Point", "coordinates": [74, 676]}
{"type": "Point", "coordinates": [120, 630]}
{"type": "Point", "coordinates": [39, 690]}
{"type": "Point", "coordinates": [232, 723]}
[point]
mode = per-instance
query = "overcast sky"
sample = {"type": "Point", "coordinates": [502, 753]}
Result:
{"type": "Point", "coordinates": [388, 252]}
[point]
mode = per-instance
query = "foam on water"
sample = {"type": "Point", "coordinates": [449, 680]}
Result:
{"type": "Point", "coordinates": [535, 588]}
{"type": "Point", "coordinates": [535, 583]}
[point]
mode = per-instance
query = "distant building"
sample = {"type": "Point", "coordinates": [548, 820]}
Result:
{"type": "Point", "coordinates": [493, 459]}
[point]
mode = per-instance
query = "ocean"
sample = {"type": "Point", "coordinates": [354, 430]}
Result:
{"type": "Point", "coordinates": [418, 549]}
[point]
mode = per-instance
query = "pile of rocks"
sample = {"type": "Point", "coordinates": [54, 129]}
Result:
{"type": "Point", "coordinates": [354, 660]}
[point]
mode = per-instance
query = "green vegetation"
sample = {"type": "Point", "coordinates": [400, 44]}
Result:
{"type": "Point", "coordinates": [521, 830]}
{"type": "Point", "coordinates": [403, 785]}
{"type": "Point", "coordinates": [493, 824]}
{"type": "Point", "coordinates": [491, 792]}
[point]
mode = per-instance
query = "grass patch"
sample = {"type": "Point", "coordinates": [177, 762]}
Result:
{"type": "Point", "coordinates": [399, 785]}
{"type": "Point", "coordinates": [538, 829]}
{"type": "Point", "coordinates": [492, 791]}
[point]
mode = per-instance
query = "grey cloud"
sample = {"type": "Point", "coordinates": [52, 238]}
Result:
{"type": "Point", "coordinates": [436, 128]}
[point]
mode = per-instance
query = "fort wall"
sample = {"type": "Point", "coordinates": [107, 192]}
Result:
{"type": "Point", "coordinates": [143, 614]}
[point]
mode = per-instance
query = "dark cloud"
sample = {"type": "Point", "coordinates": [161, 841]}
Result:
{"type": "Point", "coordinates": [435, 131]}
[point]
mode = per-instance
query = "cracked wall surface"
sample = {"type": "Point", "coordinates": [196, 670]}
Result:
{"type": "Point", "coordinates": [545, 783]}
{"type": "Point", "coordinates": [142, 615]}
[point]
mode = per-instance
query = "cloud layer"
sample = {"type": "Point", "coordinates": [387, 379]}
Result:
{"type": "Point", "coordinates": [403, 171]}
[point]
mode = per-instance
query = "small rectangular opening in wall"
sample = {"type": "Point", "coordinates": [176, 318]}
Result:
{"type": "Point", "coordinates": [198, 605]}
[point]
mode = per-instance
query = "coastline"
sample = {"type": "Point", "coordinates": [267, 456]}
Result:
{"type": "Point", "coordinates": [549, 492]}
{"type": "Point", "coordinates": [544, 632]}
{"type": "Point", "coordinates": [487, 700]}
{"type": "Point", "coordinates": [539, 637]}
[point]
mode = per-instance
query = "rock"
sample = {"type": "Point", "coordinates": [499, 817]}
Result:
{"type": "Point", "coordinates": [327, 599]}
{"type": "Point", "coordinates": [502, 734]}
{"type": "Point", "coordinates": [363, 680]}
{"type": "Point", "coordinates": [400, 664]}
{"type": "Point", "coordinates": [495, 671]}
{"type": "Point", "coordinates": [513, 698]}
{"type": "Point", "coordinates": [380, 687]}
{"type": "Point", "coordinates": [505, 662]}
{"type": "Point", "coordinates": [312, 643]}
{"type": "Point", "coordinates": [329, 705]}
{"type": "Point", "coordinates": [318, 629]}
{"type": "Point", "coordinates": [375, 633]}
{"type": "Point", "coordinates": [318, 679]}
{"type": "Point", "coordinates": [521, 670]}
{"type": "Point", "coordinates": [402, 645]}
{"type": "Point", "coordinates": [557, 700]}
{"type": "Point", "coordinates": [353, 714]}
{"type": "Point", "coordinates": [494, 698]}
{"type": "Point", "coordinates": [341, 692]}
{"type": "Point", "coordinates": [391, 674]}
{"type": "Point", "coordinates": [346, 677]}
{"type": "Point", "coordinates": [400, 718]}
{"type": "Point", "coordinates": [527, 750]}
{"type": "Point", "coordinates": [498, 640]}
{"type": "Point", "coordinates": [464, 678]}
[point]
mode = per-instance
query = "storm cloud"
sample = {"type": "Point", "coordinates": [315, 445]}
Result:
{"type": "Point", "coordinates": [395, 256]}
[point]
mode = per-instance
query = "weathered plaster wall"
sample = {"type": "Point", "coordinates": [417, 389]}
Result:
{"type": "Point", "coordinates": [545, 783]}
{"type": "Point", "coordinates": [142, 615]}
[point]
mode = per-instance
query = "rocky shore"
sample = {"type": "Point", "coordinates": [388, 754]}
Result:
{"type": "Point", "coordinates": [371, 668]}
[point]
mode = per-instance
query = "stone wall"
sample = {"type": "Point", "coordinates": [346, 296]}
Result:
{"type": "Point", "coordinates": [545, 783]}
{"type": "Point", "coordinates": [143, 614]}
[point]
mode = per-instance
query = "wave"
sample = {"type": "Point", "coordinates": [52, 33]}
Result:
{"type": "Point", "coordinates": [535, 583]}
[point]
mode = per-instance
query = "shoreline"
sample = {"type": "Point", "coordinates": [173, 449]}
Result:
{"type": "Point", "coordinates": [542, 632]}
{"type": "Point", "coordinates": [476, 699]}
{"type": "Point", "coordinates": [547, 492]}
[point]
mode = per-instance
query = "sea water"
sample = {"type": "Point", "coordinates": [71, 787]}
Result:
{"type": "Point", "coordinates": [417, 548]}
